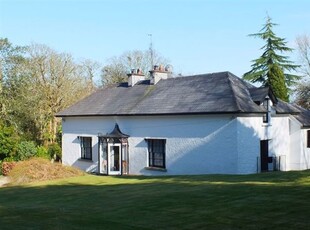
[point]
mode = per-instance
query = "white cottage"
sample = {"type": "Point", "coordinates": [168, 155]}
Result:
{"type": "Point", "coordinates": [202, 124]}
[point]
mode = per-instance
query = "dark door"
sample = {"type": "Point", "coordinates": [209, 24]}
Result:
{"type": "Point", "coordinates": [264, 155]}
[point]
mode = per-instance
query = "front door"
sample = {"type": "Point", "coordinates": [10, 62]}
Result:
{"type": "Point", "coordinates": [264, 155]}
{"type": "Point", "coordinates": [114, 162]}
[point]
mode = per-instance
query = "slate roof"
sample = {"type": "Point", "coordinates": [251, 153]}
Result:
{"type": "Point", "coordinates": [213, 93]}
{"type": "Point", "coordinates": [259, 94]}
{"type": "Point", "coordinates": [286, 108]}
{"type": "Point", "coordinates": [303, 117]}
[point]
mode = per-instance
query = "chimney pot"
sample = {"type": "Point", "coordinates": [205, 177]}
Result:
{"type": "Point", "coordinates": [168, 68]}
{"type": "Point", "coordinates": [135, 76]}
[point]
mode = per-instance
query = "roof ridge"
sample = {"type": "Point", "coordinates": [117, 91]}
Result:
{"type": "Point", "coordinates": [206, 74]}
{"type": "Point", "coordinates": [233, 90]}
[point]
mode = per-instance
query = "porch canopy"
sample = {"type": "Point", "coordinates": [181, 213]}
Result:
{"type": "Point", "coordinates": [115, 134]}
{"type": "Point", "coordinates": [113, 152]}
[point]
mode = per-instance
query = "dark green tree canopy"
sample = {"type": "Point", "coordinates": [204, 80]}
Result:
{"type": "Point", "coordinates": [277, 82]}
{"type": "Point", "coordinates": [272, 55]}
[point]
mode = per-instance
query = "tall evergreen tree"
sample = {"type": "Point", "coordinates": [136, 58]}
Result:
{"type": "Point", "coordinates": [272, 60]}
{"type": "Point", "coordinates": [277, 82]}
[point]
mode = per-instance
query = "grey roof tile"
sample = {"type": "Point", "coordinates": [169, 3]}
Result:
{"type": "Point", "coordinates": [220, 92]}
{"type": "Point", "coordinates": [286, 108]}
{"type": "Point", "coordinates": [304, 118]}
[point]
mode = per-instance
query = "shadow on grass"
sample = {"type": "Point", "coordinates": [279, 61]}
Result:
{"type": "Point", "coordinates": [267, 177]}
{"type": "Point", "coordinates": [275, 201]}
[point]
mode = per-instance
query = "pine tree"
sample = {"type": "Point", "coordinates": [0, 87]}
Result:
{"type": "Point", "coordinates": [276, 81]}
{"type": "Point", "coordinates": [271, 56]}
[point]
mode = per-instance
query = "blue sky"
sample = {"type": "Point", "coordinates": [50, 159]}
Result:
{"type": "Point", "coordinates": [197, 36]}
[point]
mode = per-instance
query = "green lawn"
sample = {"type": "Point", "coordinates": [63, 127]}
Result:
{"type": "Point", "coordinates": [262, 201]}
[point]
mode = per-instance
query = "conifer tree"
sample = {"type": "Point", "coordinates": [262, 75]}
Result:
{"type": "Point", "coordinates": [272, 60]}
{"type": "Point", "coordinates": [276, 81]}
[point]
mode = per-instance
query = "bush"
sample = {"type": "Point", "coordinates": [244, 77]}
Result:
{"type": "Point", "coordinates": [54, 151]}
{"type": "Point", "coordinates": [7, 167]}
{"type": "Point", "coordinates": [43, 152]}
{"type": "Point", "coordinates": [8, 141]}
{"type": "Point", "coordinates": [39, 169]}
{"type": "Point", "coordinates": [26, 150]}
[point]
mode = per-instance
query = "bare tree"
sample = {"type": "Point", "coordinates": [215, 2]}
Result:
{"type": "Point", "coordinates": [117, 68]}
{"type": "Point", "coordinates": [303, 88]}
{"type": "Point", "coordinates": [90, 70]}
{"type": "Point", "coordinates": [303, 44]}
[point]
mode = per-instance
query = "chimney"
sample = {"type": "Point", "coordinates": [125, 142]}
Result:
{"type": "Point", "coordinates": [135, 76]}
{"type": "Point", "coordinates": [160, 72]}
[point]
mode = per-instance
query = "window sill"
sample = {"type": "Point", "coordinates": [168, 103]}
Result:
{"type": "Point", "coordinates": [156, 169]}
{"type": "Point", "coordinates": [266, 125]}
{"type": "Point", "coordinates": [86, 160]}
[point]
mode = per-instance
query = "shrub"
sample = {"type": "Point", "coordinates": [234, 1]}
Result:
{"type": "Point", "coordinates": [54, 151]}
{"type": "Point", "coordinates": [8, 141]}
{"type": "Point", "coordinates": [7, 167]}
{"type": "Point", "coordinates": [26, 150]}
{"type": "Point", "coordinates": [39, 169]}
{"type": "Point", "coordinates": [43, 152]}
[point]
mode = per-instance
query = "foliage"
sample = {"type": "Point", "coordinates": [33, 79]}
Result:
{"type": "Point", "coordinates": [8, 141]}
{"type": "Point", "coordinates": [272, 55]}
{"type": "Point", "coordinates": [26, 150]}
{"type": "Point", "coordinates": [118, 67]}
{"type": "Point", "coordinates": [42, 152]}
{"type": "Point", "coordinates": [277, 200]}
{"type": "Point", "coordinates": [54, 151]}
{"type": "Point", "coordinates": [303, 88]}
{"type": "Point", "coordinates": [36, 82]}
{"type": "Point", "coordinates": [11, 62]}
{"type": "Point", "coordinates": [277, 82]}
{"type": "Point", "coordinates": [39, 169]}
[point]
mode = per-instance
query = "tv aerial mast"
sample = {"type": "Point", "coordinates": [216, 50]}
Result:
{"type": "Point", "coordinates": [151, 50]}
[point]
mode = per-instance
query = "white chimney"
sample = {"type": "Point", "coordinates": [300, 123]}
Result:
{"type": "Point", "coordinates": [159, 72]}
{"type": "Point", "coordinates": [135, 76]}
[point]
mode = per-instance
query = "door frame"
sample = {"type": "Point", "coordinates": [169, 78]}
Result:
{"type": "Point", "coordinates": [114, 138]}
{"type": "Point", "coordinates": [110, 161]}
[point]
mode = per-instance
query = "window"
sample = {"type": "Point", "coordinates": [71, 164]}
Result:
{"type": "Point", "coordinates": [157, 152]}
{"type": "Point", "coordinates": [266, 106]}
{"type": "Point", "coordinates": [308, 138]}
{"type": "Point", "coordinates": [86, 148]}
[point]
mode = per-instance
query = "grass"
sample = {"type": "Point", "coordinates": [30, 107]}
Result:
{"type": "Point", "coordinates": [275, 200]}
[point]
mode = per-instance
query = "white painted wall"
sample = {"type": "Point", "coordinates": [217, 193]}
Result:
{"type": "Point", "coordinates": [305, 153]}
{"type": "Point", "coordinates": [249, 133]}
{"type": "Point", "coordinates": [304, 156]}
{"type": "Point", "coordinates": [251, 130]}
{"type": "Point", "coordinates": [194, 144]}
{"type": "Point", "coordinates": [295, 146]}
{"type": "Point", "coordinates": [287, 141]}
